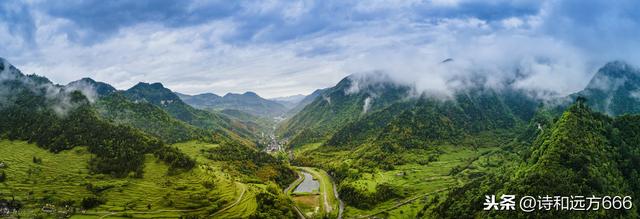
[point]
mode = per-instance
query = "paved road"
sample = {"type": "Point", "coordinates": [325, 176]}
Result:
{"type": "Point", "coordinates": [295, 183]}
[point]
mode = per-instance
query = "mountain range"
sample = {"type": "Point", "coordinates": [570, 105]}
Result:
{"type": "Point", "coordinates": [95, 144]}
{"type": "Point", "coordinates": [365, 126]}
{"type": "Point", "coordinates": [391, 150]}
{"type": "Point", "coordinates": [248, 102]}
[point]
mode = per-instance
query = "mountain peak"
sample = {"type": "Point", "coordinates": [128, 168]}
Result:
{"type": "Point", "coordinates": [100, 88]}
{"type": "Point", "coordinates": [155, 93]}
{"type": "Point", "coordinates": [156, 85]}
{"type": "Point", "coordinates": [87, 79]}
{"type": "Point", "coordinates": [7, 70]}
{"type": "Point", "coordinates": [614, 89]}
{"type": "Point", "coordinates": [250, 94]}
{"type": "Point", "coordinates": [617, 69]}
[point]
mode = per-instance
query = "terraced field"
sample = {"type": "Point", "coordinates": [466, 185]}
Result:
{"type": "Point", "coordinates": [64, 178]}
{"type": "Point", "coordinates": [420, 182]}
{"type": "Point", "coordinates": [417, 181]}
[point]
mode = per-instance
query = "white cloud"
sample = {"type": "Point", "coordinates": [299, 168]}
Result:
{"type": "Point", "coordinates": [386, 35]}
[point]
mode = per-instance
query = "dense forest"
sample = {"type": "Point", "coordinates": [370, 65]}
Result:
{"type": "Point", "coordinates": [252, 162]}
{"type": "Point", "coordinates": [582, 153]}
{"type": "Point", "coordinates": [32, 115]}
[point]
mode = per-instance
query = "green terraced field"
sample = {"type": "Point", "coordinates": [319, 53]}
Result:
{"type": "Point", "coordinates": [418, 181]}
{"type": "Point", "coordinates": [64, 177]}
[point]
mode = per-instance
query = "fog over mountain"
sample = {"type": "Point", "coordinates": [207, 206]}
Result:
{"type": "Point", "coordinates": [283, 48]}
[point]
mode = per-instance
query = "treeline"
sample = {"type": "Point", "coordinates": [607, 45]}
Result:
{"type": "Point", "coordinates": [272, 203]}
{"type": "Point", "coordinates": [33, 116]}
{"type": "Point", "coordinates": [362, 199]}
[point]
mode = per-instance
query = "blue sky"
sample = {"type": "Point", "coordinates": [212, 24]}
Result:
{"type": "Point", "coordinates": [280, 48]}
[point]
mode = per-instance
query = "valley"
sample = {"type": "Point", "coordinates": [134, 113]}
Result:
{"type": "Point", "coordinates": [381, 152]}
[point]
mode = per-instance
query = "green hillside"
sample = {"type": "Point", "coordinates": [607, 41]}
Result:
{"type": "Point", "coordinates": [220, 125]}
{"type": "Point", "coordinates": [338, 106]}
{"type": "Point", "coordinates": [148, 118]}
{"type": "Point", "coordinates": [582, 153]}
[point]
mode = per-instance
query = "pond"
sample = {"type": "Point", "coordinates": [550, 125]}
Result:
{"type": "Point", "coordinates": [308, 184]}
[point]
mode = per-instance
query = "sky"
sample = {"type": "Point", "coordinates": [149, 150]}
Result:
{"type": "Point", "coordinates": [287, 47]}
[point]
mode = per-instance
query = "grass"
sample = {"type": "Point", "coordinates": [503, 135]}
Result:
{"type": "Point", "coordinates": [308, 204]}
{"type": "Point", "coordinates": [415, 178]}
{"type": "Point", "coordinates": [65, 177]}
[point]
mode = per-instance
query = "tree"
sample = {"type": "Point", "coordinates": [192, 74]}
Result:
{"type": "Point", "coordinates": [3, 176]}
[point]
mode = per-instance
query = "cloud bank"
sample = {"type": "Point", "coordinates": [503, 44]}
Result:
{"type": "Point", "coordinates": [280, 48]}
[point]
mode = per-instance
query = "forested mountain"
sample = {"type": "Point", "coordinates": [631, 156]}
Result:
{"type": "Point", "coordinates": [384, 144]}
{"type": "Point", "coordinates": [248, 102]}
{"type": "Point", "coordinates": [121, 135]}
{"type": "Point", "coordinates": [222, 126]}
{"type": "Point", "coordinates": [352, 98]}
{"type": "Point", "coordinates": [91, 87]}
{"type": "Point", "coordinates": [418, 123]}
{"type": "Point", "coordinates": [149, 118]}
{"type": "Point", "coordinates": [614, 89]}
{"type": "Point", "coordinates": [356, 111]}
{"type": "Point", "coordinates": [34, 109]}
{"type": "Point", "coordinates": [583, 152]}
{"type": "Point", "coordinates": [524, 145]}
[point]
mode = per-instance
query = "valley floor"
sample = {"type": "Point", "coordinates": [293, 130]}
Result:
{"type": "Point", "coordinates": [418, 182]}
{"type": "Point", "coordinates": [322, 201]}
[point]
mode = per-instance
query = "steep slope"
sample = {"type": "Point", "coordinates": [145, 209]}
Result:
{"type": "Point", "coordinates": [432, 121]}
{"type": "Point", "coordinates": [148, 118]}
{"type": "Point", "coordinates": [357, 110]}
{"type": "Point", "coordinates": [220, 125]}
{"type": "Point", "coordinates": [56, 119]}
{"type": "Point", "coordinates": [350, 99]}
{"type": "Point", "coordinates": [583, 153]}
{"type": "Point", "coordinates": [91, 87]}
{"type": "Point", "coordinates": [304, 102]}
{"type": "Point", "coordinates": [248, 102]}
{"type": "Point", "coordinates": [614, 89]}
